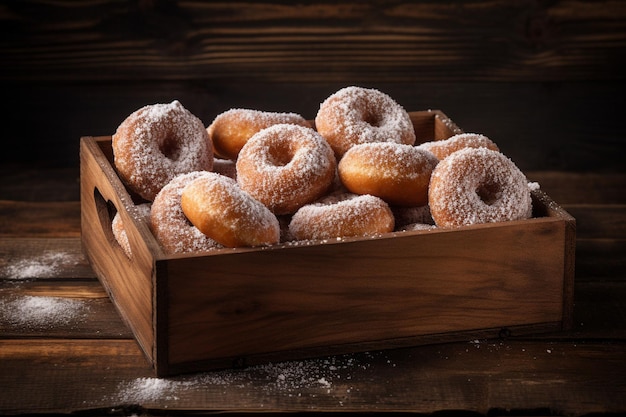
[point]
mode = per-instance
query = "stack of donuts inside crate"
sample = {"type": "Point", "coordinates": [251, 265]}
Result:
{"type": "Point", "coordinates": [257, 178]}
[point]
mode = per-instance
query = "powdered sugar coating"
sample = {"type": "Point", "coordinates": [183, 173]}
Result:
{"type": "Point", "coordinates": [39, 312]}
{"type": "Point", "coordinates": [397, 173]}
{"type": "Point", "coordinates": [221, 210]}
{"type": "Point", "coordinates": [170, 225]}
{"type": "Point", "coordinates": [342, 215]}
{"type": "Point", "coordinates": [478, 185]}
{"type": "Point", "coordinates": [158, 142]}
{"type": "Point", "coordinates": [285, 167]}
{"type": "Point", "coordinates": [231, 129]}
{"type": "Point", "coordinates": [443, 148]}
{"type": "Point", "coordinates": [356, 115]}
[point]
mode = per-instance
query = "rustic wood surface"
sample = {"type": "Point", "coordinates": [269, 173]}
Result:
{"type": "Point", "coordinates": [545, 79]}
{"type": "Point", "coordinates": [87, 361]}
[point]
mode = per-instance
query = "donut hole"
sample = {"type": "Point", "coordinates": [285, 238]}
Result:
{"type": "Point", "coordinates": [280, 154]}
{"type": "Point", "coordinates": [171, 148]}
{"type": "Point", "coordinates": [373, 119]}
{"type": "Point", "coordinates": [489, 192]}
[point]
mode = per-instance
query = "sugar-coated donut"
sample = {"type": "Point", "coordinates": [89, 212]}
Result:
{"type": "Point", "coordinates": [231, 129]}
{"type": "Point", "coordinates": [443, 148]}
{"type": "Point", "coordinates": [170, 225]}
{"type": "Point", "coordinates": [397, 173]}
{"type": "Point", "coordinates": [356, 115]}
{"type": "Point", "coordinates": [119, 233]}
{"type": "Point", "coordinates": [221, 210]}
{"type": "Point", "coordinates": [478, 185]}
{"type": "Point", "coordinates": [286, 166]}
{"type": "Point", "coordinates": [141, 214]}
{"type": "Point", "coordinates": [158, 142]}
{"type": "Point", "coordinates": [342, 215]}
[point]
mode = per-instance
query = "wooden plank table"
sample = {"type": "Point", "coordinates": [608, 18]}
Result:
{"type": "Point", "coordinates": [64, 349]}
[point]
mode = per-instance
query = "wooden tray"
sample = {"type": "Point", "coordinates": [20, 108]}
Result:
{"type": "Point", "coordinates": [234, 307]}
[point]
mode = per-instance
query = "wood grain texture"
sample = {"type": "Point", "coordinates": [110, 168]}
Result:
{"type": "Point", "coordinates": [313, 42]}
{"type": "Point", "coordinates": [479, 377]}
{"type": "Point", "coordinates": [24, 219]}
{"type": "Point", "coordinates": [129, 282]}
{"type": "Point", "coordinates": [364, 291]}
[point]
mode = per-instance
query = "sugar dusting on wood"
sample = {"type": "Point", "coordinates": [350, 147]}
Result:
{"type": "Point", "coordinates": [311, 377]}
{"type": "Point", "coordinates": [36, 312]}
{"type": "Point", "coordinates": [149, 389]}
{"type": "Point", "coordinates": [330, 377]}
{"type": "Point", "coordinates": [45, 266]}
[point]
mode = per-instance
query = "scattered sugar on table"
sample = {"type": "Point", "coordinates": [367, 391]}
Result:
{"type": "Point", "coordinates": [41, 312]}
{"type": "Point", "coordinates": [313, 377]}
{"type": "Point", "coordinates": [45, 266]}
{"type": "Point", "coordinates": [149, 389]}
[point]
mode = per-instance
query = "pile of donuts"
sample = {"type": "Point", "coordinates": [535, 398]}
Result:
{"type": "Point", "coordinates": [257, 178]}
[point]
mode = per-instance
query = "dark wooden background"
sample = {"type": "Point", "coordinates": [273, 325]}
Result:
{"type": "Point", "coordinates": [544, 79]}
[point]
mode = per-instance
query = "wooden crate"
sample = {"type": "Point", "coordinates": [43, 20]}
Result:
{"type": "Point", "coordinates": [233, 307]}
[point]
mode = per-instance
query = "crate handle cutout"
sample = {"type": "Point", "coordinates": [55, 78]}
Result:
{"type": "Point", "coordinates": [106, 211]}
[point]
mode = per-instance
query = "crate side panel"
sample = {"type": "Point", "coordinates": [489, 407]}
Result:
{"type": "Point", "coordinates": [444, 127]}
{"type": "Point", "coordinates": [369, 290]}
{"type": "Point", "coordinates": [128, 282]}
{"type": "Point", "coordinates": [424, 125]}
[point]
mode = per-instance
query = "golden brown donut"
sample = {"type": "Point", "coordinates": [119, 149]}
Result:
{"type": "Point", "coordinates": [221, 210]}
{"type": "Point", "coordinates": [399, 174]}
{"type": "Point", "coordinates": [286, 166]}
{"type": "Point", "coordinates": [342, 215]}
{"type": "Point", "coordinates": [119, 233]}
{"type": "Point", "coordinates": [158, 142]}
{"type": "Point", "coordinates": [443, 148]}
{"type": "Point", "coordinates": [355, 115]}
{"type": "Point", "coordinates": [478, 185]}
{"type": "Point", "coordinates": [170, 226]}
{"type": "Point", "coordinates": [230, 130]}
